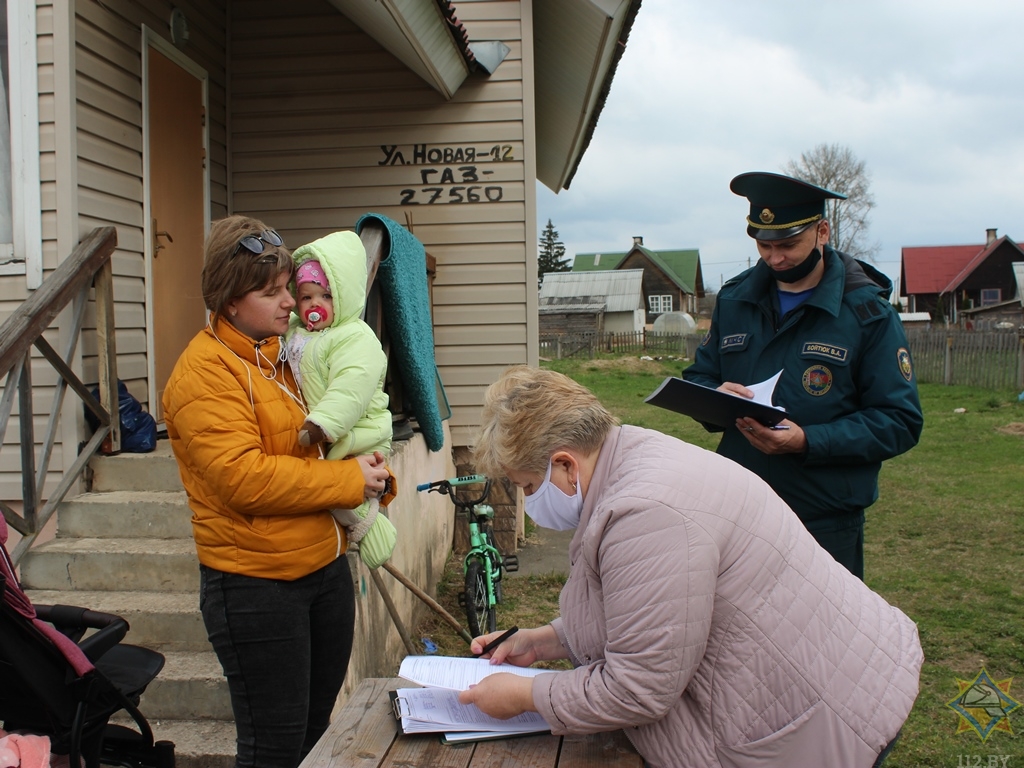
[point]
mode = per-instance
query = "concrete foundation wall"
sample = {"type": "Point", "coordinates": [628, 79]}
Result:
{"type": "Point", "coordinates": [425, 524]}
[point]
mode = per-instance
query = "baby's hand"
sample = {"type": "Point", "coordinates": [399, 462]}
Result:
{"type": "Point", "coordinates": [310, 434]}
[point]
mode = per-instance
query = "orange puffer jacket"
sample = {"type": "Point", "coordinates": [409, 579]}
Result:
{"type": "Point", "coordinates": [259, 500]}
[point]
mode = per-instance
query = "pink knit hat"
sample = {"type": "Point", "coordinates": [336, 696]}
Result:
{"type": "Point", "coordinates": [311, 272]}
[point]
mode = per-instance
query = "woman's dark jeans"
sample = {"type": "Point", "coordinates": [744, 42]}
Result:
{"type": "Point", "coordinates": [284, 647]}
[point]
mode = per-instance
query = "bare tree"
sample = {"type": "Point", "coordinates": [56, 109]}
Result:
{"type": "Point", "coordinates": [836, 168]}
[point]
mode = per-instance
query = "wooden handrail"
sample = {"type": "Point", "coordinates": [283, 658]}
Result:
{"type": "Point", "coordinates": [87, 266]}
{"type": "Point", "coordinates": [20, 331]}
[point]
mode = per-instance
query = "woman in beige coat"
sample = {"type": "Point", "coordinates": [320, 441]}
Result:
{"type": "Point", "coordinates": [699, 614]}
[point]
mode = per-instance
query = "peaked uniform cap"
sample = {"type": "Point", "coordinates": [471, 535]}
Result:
{"type": "Point", "coordinates": [780, 206]}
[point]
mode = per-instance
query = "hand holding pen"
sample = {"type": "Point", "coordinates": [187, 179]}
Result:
{"type": "Point", "coordinates": [497, 641]}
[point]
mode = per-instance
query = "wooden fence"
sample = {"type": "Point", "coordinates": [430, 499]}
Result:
{"type": "Point", "coordinates": [987, 359]}
{"type": "Point", "coordinates": [588, 345]}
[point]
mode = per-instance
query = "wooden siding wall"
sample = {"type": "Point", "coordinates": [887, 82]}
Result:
{"type": "Point", "coordinates": [333, 126]}
{"type": "Point", "coordinates": [105, 163]}
{"type": "Point", "coordinates": [110, 148]}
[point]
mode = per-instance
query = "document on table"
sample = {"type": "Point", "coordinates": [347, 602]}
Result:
{"type": "Point", "coordinates": [430, 710]}
{"type": "Point", "coordinates": [456, 672]}
{"type": "Point", "coordinates": [436, 707]}
{"type": "Point", "coordinates": [714, 406]}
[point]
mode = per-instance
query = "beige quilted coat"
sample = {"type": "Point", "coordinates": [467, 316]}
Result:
{"type": "Point", "coordinates": [709, 625]}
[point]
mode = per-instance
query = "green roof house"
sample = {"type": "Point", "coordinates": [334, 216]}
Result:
{"type": "Point", "coordinates": [672, 280]}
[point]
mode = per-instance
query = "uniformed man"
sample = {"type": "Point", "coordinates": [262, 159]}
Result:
{"type": "Point", "coordinates": [824, 320]}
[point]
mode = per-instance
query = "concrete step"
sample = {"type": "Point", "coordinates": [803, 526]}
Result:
{"type": "Point", "coordinates": [155, 471]}
{"type": "Point", "coordinates": [197, 743]}
{"type": "Point", "coordinates": [163, 621]}
{"type": "Point", "coordinates": [191, 686]}
{"type": "Point", "coordinates": [125, 514]}
{"type": "Point", "coordinates": [147, 565]}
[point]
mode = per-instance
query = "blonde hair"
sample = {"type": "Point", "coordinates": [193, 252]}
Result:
{"type": "Point", "coordinates": [230, 273]}
{"type": "Point", "coordinates": [530, 413]}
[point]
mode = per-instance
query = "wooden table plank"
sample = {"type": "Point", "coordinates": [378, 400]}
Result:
{"type": "Point", "coordinates": [365, 734]}
{"type": "Point", "coordinates": [426, 751]}
{"type": "Point", "coordinates": [608, 750]}
{"type": "Point", "coordinates": [362, 732]}
{"type": "Point", "coordinates": [538, 751]}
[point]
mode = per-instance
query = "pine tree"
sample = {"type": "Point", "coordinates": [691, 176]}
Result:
{"type": "Point", "coordinates": [551, 253]}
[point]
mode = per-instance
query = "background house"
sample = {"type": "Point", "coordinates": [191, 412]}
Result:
{"type": "Point", "coordinates": [951, 280]}
{"type": "Point", "coordinates": [672, 280]}
{"type": "Point", "coordinates": [608, 301]}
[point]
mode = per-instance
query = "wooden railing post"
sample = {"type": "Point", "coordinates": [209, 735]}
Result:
{"type": "Point", "coordinates": [106, 353]}
{"type": "Point", "coordinates": [30, 499]}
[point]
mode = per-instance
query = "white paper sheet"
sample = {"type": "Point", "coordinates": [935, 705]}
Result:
{"type": "Point", "coordinates": [456, 672]}
{"type": "Point", "coordinates": [765, 390]}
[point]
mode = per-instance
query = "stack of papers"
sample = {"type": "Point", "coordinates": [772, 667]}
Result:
{"type": "Point", "coordinates": [436, 707]}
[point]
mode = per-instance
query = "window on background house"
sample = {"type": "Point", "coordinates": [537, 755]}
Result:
{"type": "Point", "coordinates": [991, 296]}
{"type": "Point", "coordinates": [658, 304]}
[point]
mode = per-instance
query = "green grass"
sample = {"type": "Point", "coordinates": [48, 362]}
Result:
{"type": "Point", "coordinates": [944, 542]}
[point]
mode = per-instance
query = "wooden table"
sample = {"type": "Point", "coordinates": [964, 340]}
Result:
{"type": "Point", "coordinates": [365, 734]}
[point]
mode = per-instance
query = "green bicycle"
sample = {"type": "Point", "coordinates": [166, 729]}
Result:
{"type": "Point", "coordinates": [483, 564]}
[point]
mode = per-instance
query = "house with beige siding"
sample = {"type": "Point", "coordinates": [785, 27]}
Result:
{"type": "Point", "coordinates": [158, 117]}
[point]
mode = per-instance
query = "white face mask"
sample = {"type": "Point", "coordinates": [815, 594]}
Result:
{"type": "Point", "coordinates": [550, 507]}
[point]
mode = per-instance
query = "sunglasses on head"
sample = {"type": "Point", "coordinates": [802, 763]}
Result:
{"type": "Point", "coordinates": [254, 243]}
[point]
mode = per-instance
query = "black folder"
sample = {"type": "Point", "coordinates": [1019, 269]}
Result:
{"type": "Point", "coordinates": [710, 406]}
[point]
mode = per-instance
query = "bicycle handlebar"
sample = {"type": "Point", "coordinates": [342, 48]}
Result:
{"type": "Point", "coordinates": [453, 482]}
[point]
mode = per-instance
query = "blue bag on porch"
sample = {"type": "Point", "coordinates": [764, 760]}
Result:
{"type": "Point", "coordinates": [138, 428]}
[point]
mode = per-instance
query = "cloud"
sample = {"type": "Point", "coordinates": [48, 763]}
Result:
{"type": "Point", "coordinates": [926, 93]}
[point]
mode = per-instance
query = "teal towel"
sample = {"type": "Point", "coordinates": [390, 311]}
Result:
{"type": "Point", "coordinates": [405, 305]}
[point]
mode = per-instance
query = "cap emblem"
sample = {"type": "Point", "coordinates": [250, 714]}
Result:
{"type": "Point", "coordinates": [767, 217]}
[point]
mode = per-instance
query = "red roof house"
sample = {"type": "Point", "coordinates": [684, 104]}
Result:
{"type": "Point", "coordinates": [946, 280]}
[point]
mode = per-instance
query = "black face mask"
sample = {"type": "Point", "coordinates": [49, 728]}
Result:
{"type": "Point", "coordinates": [800, 271]}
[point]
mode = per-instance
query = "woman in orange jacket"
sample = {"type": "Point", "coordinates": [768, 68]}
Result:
{"type": "Point", "coordinates": [275, 590]}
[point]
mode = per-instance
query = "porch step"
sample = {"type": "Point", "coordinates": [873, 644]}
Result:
{"type": "Point", "coordinates": [92, 564]}
{"type": "Point", "coordinates": [191, 686]}
{"type": "Point", "coordinates": [164, 621]}
{"type": "Point", "coordinates": [154, 471]}
{"type": "Point", "coordinates": [125, 514]}
{"type": "Point", "coordinates": [197, 743]}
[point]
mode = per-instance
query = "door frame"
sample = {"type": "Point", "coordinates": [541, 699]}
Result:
{"type": "Point", "coordinates": [151, 39]}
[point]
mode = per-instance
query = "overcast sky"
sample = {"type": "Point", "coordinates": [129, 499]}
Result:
{"type": "Point", "coordinates": [930, 95]}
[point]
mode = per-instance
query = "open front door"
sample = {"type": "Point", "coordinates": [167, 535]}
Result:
{"type": "Point", "coordinates": [177, 186]}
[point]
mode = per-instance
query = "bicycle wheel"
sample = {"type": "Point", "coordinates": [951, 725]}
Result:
{"type": "Point", "coordinates": [479, 615]}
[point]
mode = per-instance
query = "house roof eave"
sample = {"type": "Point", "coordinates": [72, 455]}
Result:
{"type": "Point", "coordinates": [577, 48]}
{"type": "Point", "coordinates": [424, 35]}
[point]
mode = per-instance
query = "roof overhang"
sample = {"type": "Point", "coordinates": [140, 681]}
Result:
{"type": "Point", "coordinates": [577, 45]}
{"type": "Point", "coordinates": [417, 32]}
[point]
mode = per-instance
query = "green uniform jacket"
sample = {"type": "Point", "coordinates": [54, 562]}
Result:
{"type": "Point", "coordinates": [847, 380]}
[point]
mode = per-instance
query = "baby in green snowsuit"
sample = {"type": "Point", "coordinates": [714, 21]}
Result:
{"type": "Point", "coordinates": [340, 365]}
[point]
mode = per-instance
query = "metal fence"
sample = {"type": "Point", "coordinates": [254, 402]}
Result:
{"type": "Point", "coordinates": [987, 359]}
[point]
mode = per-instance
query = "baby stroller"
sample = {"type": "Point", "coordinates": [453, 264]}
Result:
{"type": "Point", "coordinates": [55, 681]}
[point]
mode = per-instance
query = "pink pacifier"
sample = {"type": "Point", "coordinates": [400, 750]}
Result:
{"type": "Point", "coordinates": [314, 315]}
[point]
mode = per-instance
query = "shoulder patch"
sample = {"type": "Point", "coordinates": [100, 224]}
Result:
{"type": "Point", "coordinates": [903, 359]}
